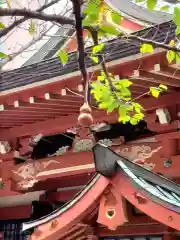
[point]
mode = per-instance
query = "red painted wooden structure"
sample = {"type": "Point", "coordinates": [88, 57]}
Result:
{"type": "Point", "coordinates": [51, 107]}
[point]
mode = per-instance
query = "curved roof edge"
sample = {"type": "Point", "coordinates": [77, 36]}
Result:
{"type": "Point", "coordinates": [138, 12]}
{"type": "Point", "coordinates": [124, 6]}
{"type": "Point", "coordinates": [153, 194]}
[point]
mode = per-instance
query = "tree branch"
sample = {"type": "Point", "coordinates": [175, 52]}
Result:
{"type": "Point", "coordinates": [23, 48]}
{"type": "Point", "coordinates": [158, 44]}
{"type": "Point", "coordinates": [94, 35]}
{"type": "Point", "coordinates": [80, 43]}
{"type": "Point", "coordinates": [4, 31]}
{"type": "Point", "coordinates": [35, 15]}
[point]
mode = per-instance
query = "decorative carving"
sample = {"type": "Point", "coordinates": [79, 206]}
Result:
{"type": "Point", "coordinates": [25, 184]}
{"type": "Point", "coordinates": [30, 170]}
{"type": "Point", "coordinates": [110, 204]}
{"type": "Point", "coordinates": [106, 142]}
{"type": "Point", "coordinates": [60, 151]}
{"type": "Point", "coordinates": [84, 141]}
{"type": "Point", "coordinates": [83, 145]}
{"type": "Point", "coordinates": [4, 147]}
{"type": "Point", "coordinates": [140, 152]}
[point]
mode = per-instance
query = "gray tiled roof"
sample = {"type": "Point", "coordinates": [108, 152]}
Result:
{"type": "Point", "coordinates": [114, 49]}
{"type": "Point", "coordinates": [126, 7]}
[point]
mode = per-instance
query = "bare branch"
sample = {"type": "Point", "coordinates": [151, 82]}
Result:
{"type": "Point", "coordinates": [158, 44]}
{"type": "Point", "coordinates": [24, 48]}
{"type": "Point", "coordinates": [35, 15]}
{"type": "Point", "coordinates": [4, 31]}
{"type": "Point", "coordinates": [81, 49]}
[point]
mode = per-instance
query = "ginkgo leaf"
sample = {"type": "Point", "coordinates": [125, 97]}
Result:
{"type": "Point", "coordinates": [95, 59]}
{"type": "Point", "coordinates": [63, 57]}
{"type": "Point", "coordinates": [101, 78]}
{"type": "Point", "coordinates": [137, 107]}
{"type": "Point", "coordinates": [125, 83]}
{"type": "Point", "coordinates": [170, 56]}
{"type": "Point", "coordinates": [177, 57]}
{"type": "Point", "coordinates": [124, 119]}
{"type": "Point", "coordinates": [112, 106]}
{"type": "Point", "coordinates": [146, 48]}
{"type": "Point", "coordinates": [164, 8]}
{"type": "Point", "coordinates": [140, 1]}
{"type": "Point", "coordinates": [151, 4]}
{"type": "Point", "coordinates": [177, 30]}
{"type": "Point", "coordinates": [163, 87]}
{"type": "Point", "coordinates": [134, 121]}
{"type": "Point", "coordinates": [116, 17]}
{"type": "Point", "coordinates": [93, 7]}
{"type": "Point", "coordinates": [172, 43]}
{"type": "Point", "coordinates": [97, 48]}
{"type": "Point", "coordinates": [155, 92]}
{"type": "Point", "coordinates": [3, 55]}
{"type": "Point", "coordinates": [109, 30]}
{"type": "Point", "coordinates": [176, 16]}
{"type": "Point", "coordinates": [2, 26]}
{"type": "Point", "coordinates": [32, 28]}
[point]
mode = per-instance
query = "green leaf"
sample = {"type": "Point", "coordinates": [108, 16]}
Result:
{"type": "Point", "coordinates": [97, 48]}
{"type": "Point", "coordinates": [124, 119]}
{"type": "Point", "coordinates": [63, 57]}
{"type": "Point", "coordinates": [109, 30]}
{"type": "Point", "coordinates": [134, 121]}
{"type": "Point", "coordinates": [163, 87]}
{"type": "Point", "coordinates": [32, 28]}
{"type": "Point", "coordinates": [151, 4]}
{"type": "Point", "coordinates": [101, 78]}
{"type": "Point", "coordinates": [146, 48]}
{"type": "Point", "coordinates": [93, 6]}
{"type": "Point", "coordinates": [138, 116]}
{"type": "Point", "coordinates": [176, 16]}
{"type": "Point", "coordinates": [90, 19]}
{"type": "Point", "coordinates": [2, 26]}
{"type": "Point", "coordinates": [3, 55]}
{"type": "Point", "coordinates": [137, 107]}
{"type": "Point", "coordinates": [92, 11]}
{"type": "Point", "coordinates": [116, 17]}
{"type": "Point", "coordinates": [155, 92]}
{"type": "Point", "coordinates": [125, 83]}
{"type": "Point", "coordinates": [140, 1]}
{"type": "Point", "coordinates": [123, 114]}
{"type": "Point", "coordinates": [172, 43]}
{"type": "Point", "coordinates": [112, 106]}
{"type": "Point", "coordinates": [103, 106]}
{"type": "Point", "coordinates": [177, 58]}
{"type": "Point", "coordinates": [170, 56]}
{"type": "Point", "coordinates": [177, 30]}
{"type": "Point", "coordinates": [164, 8]}
{"type": "Point", "coordinates": [95, 59]}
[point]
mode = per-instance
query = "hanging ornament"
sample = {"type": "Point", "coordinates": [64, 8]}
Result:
{"type": "Point", "coordinates": [85, 118]}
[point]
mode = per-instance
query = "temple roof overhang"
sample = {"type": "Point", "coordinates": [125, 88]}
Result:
{"type": "Point", "coordinates": [154, 195]}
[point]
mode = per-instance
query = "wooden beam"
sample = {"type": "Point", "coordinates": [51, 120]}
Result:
{"type": "Point", "coordinates": [61, 124]}
{"type": "Point", "coordinates": [160, 78]}
{"type": "Point", "coordinates": [72, 215]}
{"type": "Point", "coordinates": [51, 126]}
{"type": "Point", "coordinates": [15, 212]}
{"type": "Point", "coordinates": [163, 101]}
{"type": "Point", "coordinates": [133, 230]}
{"type": "Point", "coordinates": [125, 68]}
